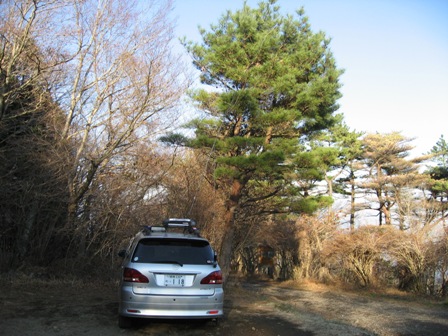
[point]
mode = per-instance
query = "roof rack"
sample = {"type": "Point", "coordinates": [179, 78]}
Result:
{"type": "Point", "coordinates": [148, 229]}
{"type": "Point", "coordinates": [179, 222]}
{"type": "Point", "coordinates": [188, 225]}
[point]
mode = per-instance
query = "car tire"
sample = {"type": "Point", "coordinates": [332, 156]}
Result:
{"type": "Point", "coordinates": [125, 322]}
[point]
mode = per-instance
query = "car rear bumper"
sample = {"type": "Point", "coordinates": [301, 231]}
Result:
{"type": "Point", "coordinates": [161, 306]}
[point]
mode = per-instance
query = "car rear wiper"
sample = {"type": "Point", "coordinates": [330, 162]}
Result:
{"type": "Point", "coordinates": [168, 262]}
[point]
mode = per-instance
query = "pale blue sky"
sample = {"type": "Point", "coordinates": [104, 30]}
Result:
{"type": "Point", "coordinates": [394, 53]}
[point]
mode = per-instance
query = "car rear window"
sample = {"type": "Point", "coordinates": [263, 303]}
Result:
{"type": "Point", "coordinates": [181, 251]}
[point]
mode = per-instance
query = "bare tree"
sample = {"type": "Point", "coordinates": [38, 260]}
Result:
{"type": "Point", "coordinates": [124, 85]}
{"type": "Point", "coordinates": [189, 193]}
{"type": "Point", "coordinates": [108, 69]}
{"type": "Point", "coordinates": [32, 176]}
{"type": "Point", "coordinates": [123, 198]}
{"type": "Point", "coordinates": [23, 64]}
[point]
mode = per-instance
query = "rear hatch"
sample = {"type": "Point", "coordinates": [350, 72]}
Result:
{"type": "Point", "coordinates": [174, 266]}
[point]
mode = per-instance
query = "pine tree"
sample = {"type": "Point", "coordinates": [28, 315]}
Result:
{"type": "Point", "coordinates": [275, 83]}
{"type": "Point", "coordinates": [391, 173]}
{"type": "Point", "coordinates": [438, 184]}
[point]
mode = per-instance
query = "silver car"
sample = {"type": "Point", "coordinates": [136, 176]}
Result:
{"type": "Point", "coordinates": [170, 271]}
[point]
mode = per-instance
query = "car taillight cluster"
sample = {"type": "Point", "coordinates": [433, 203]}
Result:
{"type": "Point", "coordinates": [132, 275]}
{"type": "Point", "coordinates": [214, 278]}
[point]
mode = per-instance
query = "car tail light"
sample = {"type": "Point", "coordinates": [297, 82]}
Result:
{"type": "Point", "coordinates": [212, 279]}
{"type": "Point", "coordinates": [132, 275]}
{"type": "Point", "coordinates": [213, 312]}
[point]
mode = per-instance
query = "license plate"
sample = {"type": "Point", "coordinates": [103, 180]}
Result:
{"type": "Point", "coordinates": [174, 280]}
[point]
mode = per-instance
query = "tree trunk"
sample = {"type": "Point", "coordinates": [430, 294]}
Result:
{"type": "Point", "coordinates": [23, 239]}
{"type": "Point", "coordinates": [229, 230]}
{"type": "Point", "coordinates": [352, 202]}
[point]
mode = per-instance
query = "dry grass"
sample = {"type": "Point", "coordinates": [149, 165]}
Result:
{"type": "Point", "coordinates": [372, 292]}
{"type": "Point", "coordinates": [36, 279]}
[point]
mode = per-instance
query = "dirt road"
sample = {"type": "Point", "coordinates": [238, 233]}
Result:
{"type": "Point", "coordinates": [54, 308]}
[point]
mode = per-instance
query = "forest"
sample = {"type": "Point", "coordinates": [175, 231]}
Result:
{"type": "Point", "coordinates": [95, 142]}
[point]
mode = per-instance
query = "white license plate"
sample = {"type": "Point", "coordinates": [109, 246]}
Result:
{"type": "Point", "coordinates": [174, 280]}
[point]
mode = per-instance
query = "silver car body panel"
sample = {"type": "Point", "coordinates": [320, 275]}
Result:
{"type": "Point", "coordinates": [174, 289]}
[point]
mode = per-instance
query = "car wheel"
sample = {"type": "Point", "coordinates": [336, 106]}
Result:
{"type": "Point", "coordinates": [124, 322]}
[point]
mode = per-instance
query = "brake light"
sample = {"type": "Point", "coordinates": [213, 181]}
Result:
{"type": "Point", "coordinates": [132, 275]}
{"type": "Point", "coordinates": [214, 278]}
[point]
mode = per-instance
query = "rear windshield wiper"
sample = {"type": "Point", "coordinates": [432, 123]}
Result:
{"type": "Point", "coordinates": [167, 262]}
